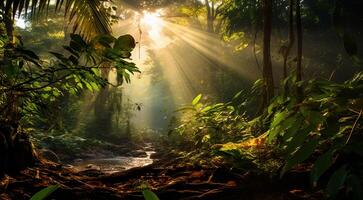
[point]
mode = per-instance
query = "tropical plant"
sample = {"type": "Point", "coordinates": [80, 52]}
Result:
{"type": "Point", "coordinates": [205, 125]}
{"type": "Point", "coordinates": [325, 128]}
{"type": "Point", "coordinates": [89, 17]}
{"type": "Point", "coordinates": [149, 195]}
{"type": "Point", "coordinates": [30, 85]}
{"type": "Point", "coordinates": [44, 193]}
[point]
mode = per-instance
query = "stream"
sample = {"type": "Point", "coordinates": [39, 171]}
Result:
{"type": "Point", "coordinates": [111, 165]}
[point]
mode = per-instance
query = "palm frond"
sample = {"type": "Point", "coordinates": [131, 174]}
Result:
{"type": "Point", "coordinates": [88, 17]}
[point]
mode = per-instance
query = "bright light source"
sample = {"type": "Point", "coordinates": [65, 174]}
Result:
{"type": "Point", "coordinates": [154, 25]}
{"type": "Point", "coordinates": [20, 23]}
{"type": "Point", "coordinates": [152, 19]}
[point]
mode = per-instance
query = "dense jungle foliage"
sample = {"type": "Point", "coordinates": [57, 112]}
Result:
{"type": "Point", "coordinates": [190, 99]}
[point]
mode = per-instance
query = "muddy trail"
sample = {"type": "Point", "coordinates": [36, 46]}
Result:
{"type": "Point", "coordinates": [168, 178]}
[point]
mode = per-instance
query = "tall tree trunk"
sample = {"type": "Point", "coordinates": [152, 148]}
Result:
{"type": "Point", "coordinates": [210, 16]}
{"type": "Point", "coordinates": [268, 91]}
{"type": "Point", "coordinates": [299, 89]}
{"type": "Point", "coordinates": [9, 24]}
{"type": "Point", "coordinates": [291, 36]}
{"type": "Point", "coordinates": [16, 149]}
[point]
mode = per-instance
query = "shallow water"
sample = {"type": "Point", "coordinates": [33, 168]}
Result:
{"type": "Point", "coordinates": [114, 164]}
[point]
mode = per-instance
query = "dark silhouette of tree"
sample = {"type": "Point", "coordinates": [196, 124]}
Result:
{"type": "Point", "coordinates": [268, 90]}
{"type": "Point", "coordinates": [299, 91]}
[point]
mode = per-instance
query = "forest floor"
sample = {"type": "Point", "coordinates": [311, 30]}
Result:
{"type": "Point", "coordinates": [170, 178]}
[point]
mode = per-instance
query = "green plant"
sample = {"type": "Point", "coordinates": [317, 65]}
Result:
{"type": "Point", "coordinates": [208, 124]}
{"type": "Point", "coordinates": [324, 129]}
{"type": "Point", "coordinates": [149, 195]}
{"type": "Point", "coordinates": [30, 86]}
{"type": "Point", "coordinates": [44, 193]}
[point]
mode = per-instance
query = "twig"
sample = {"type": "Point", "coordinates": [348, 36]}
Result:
{"type": "Point", "coordinates": [354, 126]}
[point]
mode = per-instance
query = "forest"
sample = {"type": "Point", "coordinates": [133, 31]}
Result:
{"type": "Point", "coordinates": [183, 99]}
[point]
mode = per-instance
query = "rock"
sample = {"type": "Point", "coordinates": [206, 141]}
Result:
{"type": "Point", "coordinates": [149, 149]}
{"type": "Point", "coordinates": [137, 153]}
{"type": "Point", "coordinates": [68, 166]}
{"type": "Point", "coordinates": [78, 160]}
{"type": "Point", "coordinates": [157, 155]}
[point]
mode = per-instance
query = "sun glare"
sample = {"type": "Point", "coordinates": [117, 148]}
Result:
{"type": "Point", "coordinates": [154, 23]}
{"type": "Point", "coordinates": [21, 23]}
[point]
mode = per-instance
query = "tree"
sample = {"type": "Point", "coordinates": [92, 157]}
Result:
{"type": "Point", "coordinates": [268, 87]}
{"type": "Point", "coordinates": [287, 49]}
{"type": "Point", "coordinates": [26, 82]}
{"type": "Point", "coordinates": [299, 90]}
{"type": "Point", "coordinates": [212, 13]}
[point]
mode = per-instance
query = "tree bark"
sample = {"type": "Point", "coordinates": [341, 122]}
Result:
{"type": "Point", "coordinates": [291, 36]}
{"type": "Point", "coordinates": [299, 89]}
{"type": "Point", "coordinates": [268, 90]}
{"type": "Point", "coordinates": [9, 25]}
{"type": "Point", "coordinates": [210, 16]}
{"type": "Point", "coordinates": [16, 150]}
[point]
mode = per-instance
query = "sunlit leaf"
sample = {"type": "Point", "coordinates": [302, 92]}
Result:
{"type": "Point", "coordinates": [196, 99]}
{"type": "Point", "coordinates": [43, 194]}
{"type": "Point", "coordinates": [148, 195]}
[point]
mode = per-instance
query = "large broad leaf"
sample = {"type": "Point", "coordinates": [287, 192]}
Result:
{"type": "Point", "coordinates": [79, 40]}
{"type": "Point", "coordinates": [297, 140]}
{"type": "Point", "coordinates": [336, 181]}
{"type": "Point", "coordinates": [105, 40]}
{"type": "Point", "coordinates": [301, 155]}
{"type": "Point", "coordinates": [148, 195]}
{"type": "Point", "coordinates": [43, 194]}
{"type": "Point", "coordinates": [125, 43]}
{"type": "Point", "coordinates": [322, 164]}
{"type": "Point", "coordinates": [28, 53]}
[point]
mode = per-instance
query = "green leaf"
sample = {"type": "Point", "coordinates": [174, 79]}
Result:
{"type": "Point", "coordinates": [196, 99]}
{"type": "Point", "coordinates": [336, 181]}
{"type": "Point", "coordinates": [125, 43]}
{"type": "Point", "coordinates": [43, 194]}
{"type": "Point", "coordinates": [275, 128]}
{"type": "Point", "coordinates": [301, 155]}
{"type": "Point", "coordinates": [294, 124]}
{"type": "Point", "coordinates": [279, 117]}
{"type": "Point", "coordinates": [28, 53]}
{"type": "Point", "coordinates": [78, 39]}
{"type": "Point", "coordinates": [148, 195]}
{"type": "Point", "coordinates": [60, 57]}
{"type": "Point", "coordinates": [297, 140]}
{"type": "Point", "coordinates": [72, 51]}
{"type": "Point", "coordinates": [206, 109]}
{"type": "Point", "coordinates": [322, 164]}
{"type": "Point", "coordinates": [237, 95]}
{"type": "Point", "coordinates": [105, 40]}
